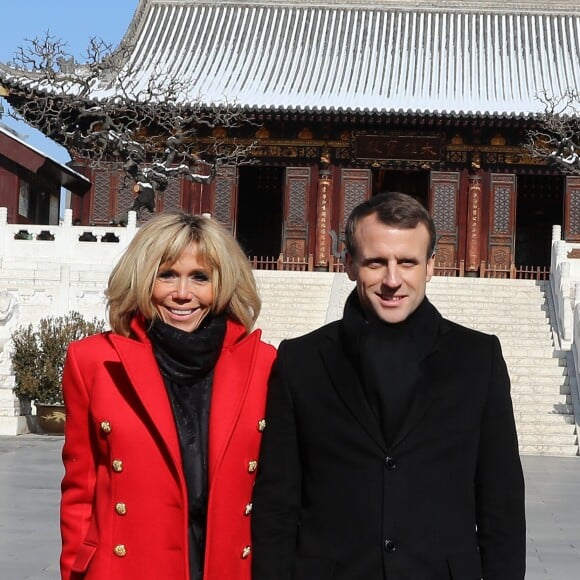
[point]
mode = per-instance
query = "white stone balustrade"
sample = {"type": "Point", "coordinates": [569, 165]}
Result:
{"type": "Point", "coordinates": [41, 277]}
{"type": "Point", "coordinates": [49, 271]}
{"type": "Point", "coordinates": [564, 274]}
{"type": "Point", "coordinates": [565, 287]}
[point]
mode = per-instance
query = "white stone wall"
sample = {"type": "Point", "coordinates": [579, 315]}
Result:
{"type": "Point", "coordinates": [40, 278]}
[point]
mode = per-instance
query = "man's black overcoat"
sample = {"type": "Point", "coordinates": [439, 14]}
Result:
{"type": "Point", "coordinates": [444, 501]}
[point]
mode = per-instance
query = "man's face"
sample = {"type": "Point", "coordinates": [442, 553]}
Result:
{"type": "Point", "coordinates": [390, 268]}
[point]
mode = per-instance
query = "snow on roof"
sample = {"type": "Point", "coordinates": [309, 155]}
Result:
{"type": "Point", "coordinates": [62, 169]}
{"type": "Point", "coordinates": [485, 58]}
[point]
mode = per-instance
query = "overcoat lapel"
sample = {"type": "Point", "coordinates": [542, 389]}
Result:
{"type": "Point", "coordinates": [434, 370]}
{"type": "Point", "coordinates": [232, 378]}
{"type": "Point", "coordinates": [147, 386]}
{"type": "Point", "coordinates": [345, 380]}
{"type": "Point", "coordinates": [426, 388]}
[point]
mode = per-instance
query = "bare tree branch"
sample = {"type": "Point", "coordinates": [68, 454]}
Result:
{"type": "Point", "coordinates": [99, 113]}
{"type": "Point", "coordinates": [556, 138]}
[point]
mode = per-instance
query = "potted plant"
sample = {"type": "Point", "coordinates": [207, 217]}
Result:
{"type": "Point", "coordinates": [38, 354]}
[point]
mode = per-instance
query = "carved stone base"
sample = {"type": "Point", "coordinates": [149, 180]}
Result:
{"type": "Point", "coordinates": [17, 425]}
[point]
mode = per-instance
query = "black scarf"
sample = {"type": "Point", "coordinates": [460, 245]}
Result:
{"type": "Point", "coordinates": [186, 361]}
{"type": "Point", "coordinates": [387, 358]}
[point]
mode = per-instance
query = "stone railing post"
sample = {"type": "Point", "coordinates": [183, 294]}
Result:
{"type": "Point", "coordinates": [576, 294]}
{"type": "Point", "coordinates": [67, 218]}
{"type": "Point", "coordinates": [132, 220]}
{"type": "Point", "coordinates": [558, 254]}
{"type": "Point", "coordinates": [575, 346]}
{"type": "Point", "coordinates": [3, 230]}
{"type": "Point", "coordinates": [567, 301]}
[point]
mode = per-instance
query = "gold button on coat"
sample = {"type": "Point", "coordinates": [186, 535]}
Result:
{"type": "Point", "coordinates": [117, 465]}
{"type": "Point", "coordinates": [120, 550]}
{"type": "Point", "coordinates": [252, 466]}
{"type": "Point", "coordinates": [105, 427]}
{"type": "Point", "coordinates": [246, 551]}
{"type": "Point", "coordinates": [261, 424]}
{"type": "Point", "coordinates": [248, 509]}
{"type": "Point", "coordinates": [121, 508]}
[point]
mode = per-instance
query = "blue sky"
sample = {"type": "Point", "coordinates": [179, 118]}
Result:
{"type": "Point", "coordinates": [74, 22]}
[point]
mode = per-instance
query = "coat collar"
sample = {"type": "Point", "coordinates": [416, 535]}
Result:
{"type": "Point", "coordinates": [147, 388]}
{"type": "Point", "coordinates": [230, 385]}
{"type": "Point", "coordinates": [434, 366]}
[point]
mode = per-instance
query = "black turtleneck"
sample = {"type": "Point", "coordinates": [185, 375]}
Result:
{"type": "Point", "coordinates": [387, 357]}
{"type": "Point", "coordinates": [186, 361]}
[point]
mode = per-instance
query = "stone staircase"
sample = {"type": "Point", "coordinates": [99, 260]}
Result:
{"type": "Point", "coordinates": [516, 311]}
{"type": "Point", "coordinates": [293, 303]}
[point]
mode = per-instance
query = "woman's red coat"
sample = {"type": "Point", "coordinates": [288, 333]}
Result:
{"type": "Point", "coordinates": [124, 506]}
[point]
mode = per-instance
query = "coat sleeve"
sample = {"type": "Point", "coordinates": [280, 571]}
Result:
{"type": "Point", "coordinates": [276, 498]}
{"type": "Point", "coordinates": [499, 485]}
{"type": "Point", "coordinates": [78, 455]}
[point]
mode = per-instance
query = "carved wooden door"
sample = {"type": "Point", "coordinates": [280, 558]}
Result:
{"type": "Point", "coordinates": [443, 197]}
{"type": "Point", "coordinates": [224, 196]}
{"type": "Point", "coordinates": [572, 209]}
{"type": "Point", "coordinates": [355, 187]}
{"type": "Point", "coordinates": [502, 219]}
{"type": "Point", "coordinates": [296, 202]}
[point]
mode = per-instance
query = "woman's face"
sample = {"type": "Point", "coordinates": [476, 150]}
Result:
{"type": "Point", "coordinates": [183, 291]}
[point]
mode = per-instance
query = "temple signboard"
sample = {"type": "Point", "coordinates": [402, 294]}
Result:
{"type": "Point", "coordinates": [398, 147]}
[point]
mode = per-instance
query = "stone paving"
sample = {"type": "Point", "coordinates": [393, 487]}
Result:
{"type": "Point", "coordinates": [30, 474]}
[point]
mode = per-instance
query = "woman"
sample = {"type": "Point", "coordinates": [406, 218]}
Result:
{"type": "Point", "coordinates": [165, 413]}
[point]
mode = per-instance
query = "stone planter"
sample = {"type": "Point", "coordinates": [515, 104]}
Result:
{"type": "Point", "coordinates": [50, 418]}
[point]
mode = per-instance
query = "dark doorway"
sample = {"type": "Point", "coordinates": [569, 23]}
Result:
{"type": "Point", "coordinates": [259, 220]}
{"type": "Point", "coordinates": [540, 203]}
{"type": "Point", "coordinates": [414, 183]}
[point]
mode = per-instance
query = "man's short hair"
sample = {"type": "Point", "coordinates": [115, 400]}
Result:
{"type": "Point", "coordinates": [393, 209]}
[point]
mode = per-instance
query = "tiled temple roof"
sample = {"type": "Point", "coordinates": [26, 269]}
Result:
{"type": "Point", "coordinates": [485, 58]}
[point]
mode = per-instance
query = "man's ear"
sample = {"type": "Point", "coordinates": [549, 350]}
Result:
{"type": "Point", "coordinates": [349, 267]}
{"type": "Point", "coordinates": [431, 266]}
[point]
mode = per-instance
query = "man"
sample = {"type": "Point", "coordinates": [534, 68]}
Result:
{"type": "Point", "coordinates": [390, 451]}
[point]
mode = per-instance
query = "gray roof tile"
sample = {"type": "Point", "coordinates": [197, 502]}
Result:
{"type": "Point", "coordinates": [354, 57]}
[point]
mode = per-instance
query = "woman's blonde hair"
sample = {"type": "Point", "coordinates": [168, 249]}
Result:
{"type": "Point", "coordinates": [161, 241]}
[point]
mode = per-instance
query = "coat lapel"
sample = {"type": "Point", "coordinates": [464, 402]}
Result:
{"type": "Point", "coordinates": [232, 377]}
{"type": "Point", "coordinates": [146, 385]}
{"type": "Point", "coordinates": [433, 372]}
{"type": "Point", "coordinates": [345, 380]}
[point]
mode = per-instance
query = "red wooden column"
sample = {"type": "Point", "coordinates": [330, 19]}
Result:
{"type": "Point", "coordinates": [224, 196]}
{"type": "Point", "coordinates": [10, 184]}
{"type": "Point", "coordinates": [81, 206]}
{"type": "Point", "coordinates": [444, 195]}
{"type": "Point", "coordinates": [572, 209]}
{"type": "Point", "coordinates": [197, 198]}
{"type": "Point", "coordinates": [502, 218]}
{"type": "Point", "coordinates": [296, 199]}
{"type": "Point", "coordinates": [323, 212]}
{"type": "Point", "coordinates": [474, 196]}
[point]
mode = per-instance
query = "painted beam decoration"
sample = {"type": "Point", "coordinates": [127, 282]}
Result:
{"type": "Point", "coordinates": [399, 146]}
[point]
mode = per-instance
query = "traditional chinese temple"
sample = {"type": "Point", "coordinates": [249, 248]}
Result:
{"type": "Point", "coordinates": [351, 98]}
